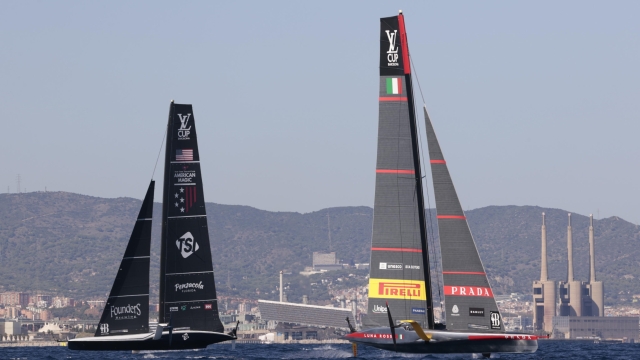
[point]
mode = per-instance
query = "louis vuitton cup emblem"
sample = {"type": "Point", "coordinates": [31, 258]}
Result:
{"type": "Point", "coordinates": [392, 53]}
{"type": "Point", "coordinates": [184, 131]}
{"type": "Point", "coordinates": [187, 245]}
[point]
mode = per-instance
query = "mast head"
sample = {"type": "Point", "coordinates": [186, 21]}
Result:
{"type": "Point", "coordinates": [591, 220]}
{"type": "Point", "coordinates": [542, 218]}
{"type": "Point", "coordinates": [400, 11]}
{"type": "Point", "coordinates": [569, 219]}
{"type": "Point", "coordinates": [172, 101]}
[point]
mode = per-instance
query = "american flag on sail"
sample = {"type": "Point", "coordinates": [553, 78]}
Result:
{"type": "Point", "coordinates": [190, 195]}
{"type": "Point", "coordinates": [184, 155]}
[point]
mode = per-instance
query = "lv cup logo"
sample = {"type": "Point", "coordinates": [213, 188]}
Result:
{"type": "Point", "coordinates": [184, 131]}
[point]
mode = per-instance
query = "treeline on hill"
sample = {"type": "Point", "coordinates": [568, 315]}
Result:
{"type": "Point", "coordinates": [71, 245]}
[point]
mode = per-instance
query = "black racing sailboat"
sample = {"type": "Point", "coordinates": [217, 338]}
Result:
{"type": "Point", "coordinates": [188, 307]}
{"type": "Point", "coordinates": [400, 275]}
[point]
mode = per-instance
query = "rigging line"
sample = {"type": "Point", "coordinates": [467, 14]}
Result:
{"type": "Point", "coordinates": [429, 223]}
{"type": "Point", "coordinates": [159, 151]}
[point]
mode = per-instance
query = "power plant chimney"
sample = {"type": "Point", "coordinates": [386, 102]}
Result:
{"type": "Point", "coordinates": [570, 250]}
{"type": "Point", "coordinates": [543, 269]}
{"type": "Point", "coordinates": [281, 298]}
{"type": "Point", "coordinates": [592, 254]}
{"type": "Point", "coordinates": [597, 287]}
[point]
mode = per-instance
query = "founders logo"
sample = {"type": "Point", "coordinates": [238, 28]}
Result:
{"type": "Point", "coordinates": [392, 53]}
{"type": "Point", "coordinates": [184, 130]}
{"type": "Point", "coordinates": [126, 312]}
{"type": "Point", "coordinates": [104, 328]}
{"type": "Point", "coordinates": [187, 245]}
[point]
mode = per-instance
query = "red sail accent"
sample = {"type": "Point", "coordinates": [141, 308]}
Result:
{"type": "Point", "coordinates": [463, 273]}
{"type": "Point", "coordinates": [438, 161]}
{"type": "Point", "coordinates": [457, 217]}
{"type": "Point", "coordinates": [477, 291]}
{"type": "Point", "coordinates": [392, 98]}
{"type": "Point", "coordinates": [392, 171]}
{"type": "Point", "coordinates": [405, 46]}
{"type": "Point", "coordinates": [396, 249]}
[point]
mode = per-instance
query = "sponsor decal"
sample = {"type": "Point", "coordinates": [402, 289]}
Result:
{"type": "Point", "coordinates": [476, 312]}
{"type": "Point", "coordinates": [183, 307]}
{"type": "Point", "coordinates": [126, 312]}
{"type": "Point", "coordinates": [496, 322]}
{"type": "Point", "coordinates": [392, 53]}
{"type": "Point", "coordinates": [184, 130]}
{"type": "Point", "coordinates": [173, 308]}
{"type": "Point", "coordinates": [390, 266]}
{"type": "Point", "coordinates": [468, 291]}
{"type": "Point", "coordinates": [195, 307]}
{"type": "Point", "coordinates": [394, 86]}
{"type": "Point", "coordinates": [184, 155]}
{"type": "Point", "coordinates": [185, 336]}
{"type": "Point", "coordinates": [208, 306]}
{"type": "Point", "coordinates": [120, 331]}
{"type": "Point", "coordinates": [455, 310]}
{"type": "Point", "coordinates": [375, 336]}
{"type": "Point", "coordinates": [379, 309]}
{"type": "Point", "coordinates": [185, 198]}
{"type": "Point", "coordinates": [104, 328]}
{"type": "Point", "coordinates": [187, 245]}
{"type": "Point", "coordinates": [503, 337]}
{"type": "Point", "coordinates": [189, 287]}
{"type": "Point", "coordinates": [477, 327]}
{"type": "Point", "coordinates": [418, 311]}
{"type": "Point", "coordinates": [412, 267]}
{"type": "Point", "coordinates": [397, 289]}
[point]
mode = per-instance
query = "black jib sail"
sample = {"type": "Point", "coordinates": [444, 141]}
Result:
{"type": "Point", "coordinates": [399, 263]}
{"type": "Point", "coordinates": [470, 304]}
{"type": "Point", "coordinates": [127, 308]}
{"type": "Point", "coordinates": [187, 286]}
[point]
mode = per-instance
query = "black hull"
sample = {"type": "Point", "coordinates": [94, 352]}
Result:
{"type": "Point", "coordinates": [194, 340]}
{"type": "Point", "coordinates": [445, 342]}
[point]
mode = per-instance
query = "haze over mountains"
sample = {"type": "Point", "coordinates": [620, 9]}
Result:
{"type": "Point", "coordinates": [72, 244]}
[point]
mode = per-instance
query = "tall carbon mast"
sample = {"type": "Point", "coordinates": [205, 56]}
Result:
{"type": "Point", "coordinates": [400, 272]}
{"type": "Point", "coordinates": [187, 285]}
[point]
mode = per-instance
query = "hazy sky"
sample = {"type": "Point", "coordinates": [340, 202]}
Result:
{"type": "Point", "coordinates": [534, 103]}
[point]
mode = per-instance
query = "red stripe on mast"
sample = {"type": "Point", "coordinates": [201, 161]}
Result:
{"type": "Point", "coordinates": [438, 161]}
{"type": "Point", "coordinates": [457, 217]}
{"type": "Point", "coordinates": [405, 46]}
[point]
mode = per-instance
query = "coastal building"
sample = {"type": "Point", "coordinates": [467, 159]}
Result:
{"type": "Point", "coordinates": [14, 298]}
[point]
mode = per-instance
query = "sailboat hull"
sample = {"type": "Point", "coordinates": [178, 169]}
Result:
{"type": "Point", "coordinates": [181, 340]}
{"type": "Point", "coordinates": [445, 342]}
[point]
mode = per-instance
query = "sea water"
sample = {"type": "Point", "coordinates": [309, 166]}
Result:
{"type": "Point", "coordinates": [223, 351]}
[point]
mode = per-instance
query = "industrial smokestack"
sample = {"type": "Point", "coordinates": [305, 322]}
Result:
{"type": "Point", "coordinates": [281, 298]}
{"type": "Point", "coordinates": [570, 250]}
{"type": "Point", "coordinates": [592, 254]}
{"type": "Point", "coordinates": [543, 268]}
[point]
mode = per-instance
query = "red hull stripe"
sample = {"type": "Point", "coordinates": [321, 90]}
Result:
{"type": "Point", "coordinates": [457, 217]}
{"type": "Point", "coordinates": [438, 162]}
{"type": "Point", "coordinates": [391, 171]}
{"type": "Point", "coordinates": [395, 249]}
{"type": "Point", "coordinates": [503, 337]}
{"type": "Point", "coordinates": [464, 272]}
{"type": "Point", "coordinates": [394, 98]}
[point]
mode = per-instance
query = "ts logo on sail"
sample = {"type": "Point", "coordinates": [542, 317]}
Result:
{"type": "Point", "coordinates": [187, 245]}
{"type": "Point", "coordinates": [184, 131]}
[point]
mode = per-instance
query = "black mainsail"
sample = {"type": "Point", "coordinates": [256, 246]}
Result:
{"type": "Point", "coordinates": [399, 263]}
{"type": "Point", "coordinates": [187, 285]}
{"type": "Point", "coordinates": [127, 308]}
{"type": "Point", "coordinates": [469, 300]}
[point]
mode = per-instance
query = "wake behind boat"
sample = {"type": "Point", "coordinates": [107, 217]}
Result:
{"type": "Point", "coordinates": [188, 305]}
{"type": "Point", "coordinates": [400, 275]}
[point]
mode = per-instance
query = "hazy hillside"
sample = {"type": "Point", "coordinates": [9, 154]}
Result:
{"type": "Point", "coordinates": [72, 244]}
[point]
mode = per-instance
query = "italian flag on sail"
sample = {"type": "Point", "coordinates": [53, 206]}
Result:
{"type": "Point", "coordinates": [394, 86]}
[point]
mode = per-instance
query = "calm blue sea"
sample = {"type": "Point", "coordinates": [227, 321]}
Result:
{"type": "Point", "coordinates": [547, 350]}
